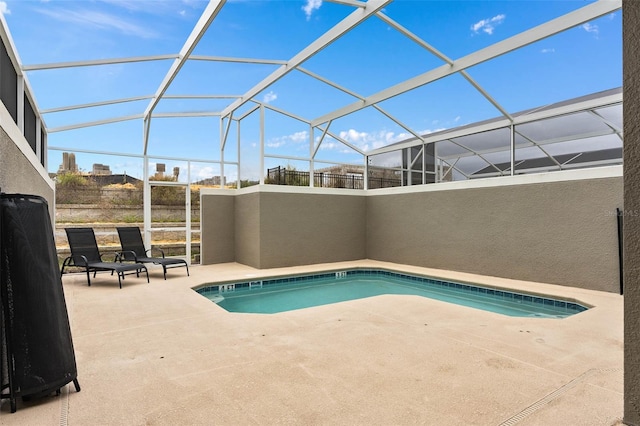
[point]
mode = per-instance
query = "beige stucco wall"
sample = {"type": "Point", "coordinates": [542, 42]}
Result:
{"type": "Point", "coordinates": [558, 228]}
{"type": "Point", "coordinates": [20, 171]}
{"type": "Point", "coordinates": [631, 84]}
{"type": "Point", "coordinates": [555, 232]}
{"type": "Point", "coordinates": [217, 234]}
{"type": "Point", "coordinates": [303, 229]}
{"type": "Point", "coordinates": [247, 228]}
{"type": "Point", "coordinates": [277, 227]}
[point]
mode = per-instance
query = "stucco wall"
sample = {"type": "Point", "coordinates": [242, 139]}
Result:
{"type": "Point", "coordinates": [277, 227]}
{"type": "Point", "coordinates": [631, 69]}
{"type": "Point", "coordinates": [555, 228]}
{"type": "Point", "coordinates": [17, 171]}
{"type": "Point", "coordinates": [303, 229]}
{"type": "Point", "coordinates": [555, 232]}
{"type": "Point", "coordinates": [247, 228]}
{"type": "Point", "coordinates": [217, 236]}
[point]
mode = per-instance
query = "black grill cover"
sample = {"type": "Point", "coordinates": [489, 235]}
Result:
{"type": "Point", "coordinates": [38, 355]}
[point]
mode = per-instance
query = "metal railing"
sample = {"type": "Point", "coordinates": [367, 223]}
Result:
{"type": "Point", "coordinates": [283, 176]}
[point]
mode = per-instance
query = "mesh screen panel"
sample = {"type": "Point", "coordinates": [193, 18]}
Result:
{"type": "Point", "coordinates": [37, 346]}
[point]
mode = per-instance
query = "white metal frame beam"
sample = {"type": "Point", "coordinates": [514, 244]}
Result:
{"type": "Point", "coordinates": [209, 14]}
{"type": "Point", "coordinates": [444, 58]}
{"type": "Point", "coordinates": [200, 96]}
{"type": "Point", "coordinates": [95, 104]}
{"type": "Point", "coordinates": [493, 125]}
{"type": "Point", "coordinates": [96, 62]}
{"type": "Point", "coordinates": [342, 27]}
{"type": "Point", "coordinates": [133, 99]}
{"type": "Point", "coordinates": [95, 123]}
{"type": "Point", "coordinates": [186, 114]}
{"type": "Point", "coordinates": [237, 60]}
{"type": "Point", "coordinates": [548, 29]}
{"type": "Point", "coordinates": [133, 155]}
{"type": "Point", "coordinates": [150, 58]}
{"type": "Point", "coordinates": [345, 90]}
{"type": "Point", "coordinates": [362, 98]}
{"type": "Point", "coordinates": [341, 140]}
{"type": "Point", "coordinates": [349, 2]}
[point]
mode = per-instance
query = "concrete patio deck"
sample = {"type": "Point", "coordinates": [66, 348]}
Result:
{"type": "Point", "coordinates": [161, 354]}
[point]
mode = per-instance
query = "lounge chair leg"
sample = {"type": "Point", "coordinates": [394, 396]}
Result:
{"type": "Point", "coordinates": [119, 280]}
{"type": "Point", "coordinates": [164, 269]}
{"type": "Point", "coordinates": [76, 384]}
{"type": "Point", "coordinates": [88, 278]}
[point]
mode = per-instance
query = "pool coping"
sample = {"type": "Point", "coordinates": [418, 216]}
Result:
{"type": "Point", "coordinates": [215, 286]}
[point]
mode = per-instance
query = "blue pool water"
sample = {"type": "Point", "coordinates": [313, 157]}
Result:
{"type": "Point", "coordinates": [282, 294]}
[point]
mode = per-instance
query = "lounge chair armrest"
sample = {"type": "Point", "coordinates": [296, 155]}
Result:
{"type": "Point", "coordinates": [150, 251]}
{"type": "Point", "coordinates": [83, 261]}
{"type": "Point", "coordinates": [114, 253]}
{"type": "Point", "coordinates": [71, 261]}
{"type": "Point", "coordinates": [126, 255]}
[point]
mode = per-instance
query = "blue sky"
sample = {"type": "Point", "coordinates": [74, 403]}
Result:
{"type": "Point", "coordinates": [372, 57]}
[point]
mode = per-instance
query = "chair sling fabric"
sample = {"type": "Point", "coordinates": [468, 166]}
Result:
{"type": "Point", "coordinates": [85, 254]}
{"type": "Point", "coordinates": [133, 249]}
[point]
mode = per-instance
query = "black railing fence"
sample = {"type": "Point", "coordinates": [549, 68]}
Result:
{"type": "Point", "coordinates": [283, 176]}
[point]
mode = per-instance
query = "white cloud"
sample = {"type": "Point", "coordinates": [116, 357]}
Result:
{"type": "Point", "coordinates": [99, 20]}
{"type": "Point", "coordinates": [154, 7]}
{"type": "Point", "coordinates": [353, 135]}
{"type": "Point", "coordinates": [552, 50]}
{"type": "Point", "coordinates": [488, 25]}
{"type": "Point", "coordinates": [590, 28]}
{"type": "Point", "coordinates": [294, 138]}
{"type": "Point", "coordinates": [269, 97]}
{"type": "Point", "coordinates": [367, 141]}
{"type": "Point", "coordinates": [326, 145]}
{"type": "Point", "coordinates": [203, 172]}
{"type": "Point", "coordinates": [4, 9]}
{"type": "Point", "coordinates": [299, 136]}
{"type": "Point", "coordinates": [310, 7]}
{"type": "Point", "coordinates": [275, 143]}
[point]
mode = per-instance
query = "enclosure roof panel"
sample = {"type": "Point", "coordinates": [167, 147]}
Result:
{"type": "Point", "coordinates": [421, 67]}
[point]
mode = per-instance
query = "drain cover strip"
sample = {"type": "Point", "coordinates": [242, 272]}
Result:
{"type": "Point", "coordinates": [64, 405]}
{"type": "Point", "coordinates": [553, 395]}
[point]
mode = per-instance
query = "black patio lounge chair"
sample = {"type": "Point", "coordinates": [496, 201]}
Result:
{"type": "Point", "coordinates": [85, 254]}
{"type": "Point", "coordinates": [133, 249]}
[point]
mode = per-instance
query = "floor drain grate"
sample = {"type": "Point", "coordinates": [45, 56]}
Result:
{"type": "Point", "coordinates": [64, 405]}
{"type": "Point", "coordinates": [553, 395]}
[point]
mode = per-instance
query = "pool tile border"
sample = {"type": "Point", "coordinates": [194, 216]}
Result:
{"type": "Point", "coordinates": [533, 299]}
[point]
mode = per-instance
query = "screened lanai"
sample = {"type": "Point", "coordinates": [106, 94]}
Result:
{"type": "Point", "coordinates": [389, 93]}
{"type": "Point", "coordinates": [480, 134]}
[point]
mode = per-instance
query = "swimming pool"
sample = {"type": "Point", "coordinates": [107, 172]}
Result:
{"type": "Point", "coordinates": [280, 294]}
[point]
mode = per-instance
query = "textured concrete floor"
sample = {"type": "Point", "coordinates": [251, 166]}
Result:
{"type": "Point", "coordinates": [160, 354]}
